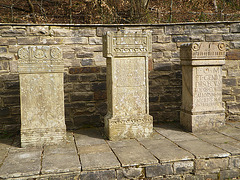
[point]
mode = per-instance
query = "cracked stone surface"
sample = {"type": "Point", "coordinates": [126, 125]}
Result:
{"type": "Point", "coordinates": [87, 154]}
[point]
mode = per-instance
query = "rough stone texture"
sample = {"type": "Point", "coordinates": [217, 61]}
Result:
{"type": "Point", "coordinates": [21, 163]}
{"type": "Point", "coordinates": [126, 152]}
{"type": "Point", "coordinates": [61, 158]}
{"type": "Point", "coordinates": [127, 85]}
{"type": "Point", "coordinates": [130, 173]}
{"type": "Point", "coordinates": [159, 170]}
{"type": "Point", "coordinates": [169, 152]}
{"type": "Point", "coordinates": [210, 165]}
{"type": "Point", "coordinates": [201, 149]}
{"type": "Point", "coordinates": [202, 86]}
{"type": "Point", "coordinates": [99, 156]}
{"type": "Point", "coordinates": [165, 79]}
{"type": "Point", "coordinates": [42, 97]}
{"type": "Point", "coordinates": [98, 175]}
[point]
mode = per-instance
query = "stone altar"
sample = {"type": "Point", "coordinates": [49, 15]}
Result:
{"type": "Point", "coordinates": [42, 96]}
{"type": "Point", "coordinates": [202, 107]}
{"type": "Point", "coordinates": [127, 85]}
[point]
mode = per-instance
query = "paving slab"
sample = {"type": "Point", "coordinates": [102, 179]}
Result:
{"type": "Point", "coordinates": [98, 161]}
{"type": "Point", "coordinates": [87, 137]}
{"type": "Point", "coordinates": [60, 159]}
{"type": "Point", "coordinates": [94, 149]}
{"type": "Point", "coordinates": [201, 149]}
{"type": "Point", "coordinates": [175, 134]}
{"type": "Point", "coordinates": [21, 162]}
{"type": "Point", "coordinates": [231, 132]}
{"type": "Point", "coordinates": [131, 153]}
{"type": "Point", "coordinates": [234, 124]}
{"type": "Point", "coordinates": [166, 151]}
{"type": "Point", "coordinates": [220, 140]}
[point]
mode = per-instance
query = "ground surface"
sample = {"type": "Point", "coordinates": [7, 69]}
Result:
{"type": "Point", "coordinates": [171, 153]}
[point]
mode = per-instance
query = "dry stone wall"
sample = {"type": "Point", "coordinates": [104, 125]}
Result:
{"type": "Point", "coordinates": [85, 68]}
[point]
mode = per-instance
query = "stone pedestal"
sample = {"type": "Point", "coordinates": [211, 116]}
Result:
{"type": "Point", "coordinates": [42, 95]}
{"type": "Point", "coordinates": [127, 85]}
{"type": "Point", "coordinates": [202, 107]}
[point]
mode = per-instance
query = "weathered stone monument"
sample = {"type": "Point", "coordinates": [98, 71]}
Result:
{"type": "Point", "coordinates": [202, 107]}
{"type": "Point", "coordinates": [42, 96]}
{"type": "Point", "coordinates": [127, 85]}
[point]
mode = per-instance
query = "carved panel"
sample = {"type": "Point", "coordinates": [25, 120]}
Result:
{"type": "Point", "coordinates": [203, 50]}
{"type": "Point", "coordinates": [39, 59]}
{"type": "Point", "coordinates": [127, 44]}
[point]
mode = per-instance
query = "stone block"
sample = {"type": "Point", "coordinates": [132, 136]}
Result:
{"type": "Point", "coordinates": [173, 30]}
{"type": "Point", "coordinates": [159, 170]}
{"type": "Point", "coordinates": [162, 66]}
{"type": "Point", "coordinates": [180, 38]}
{"type": "Point", "coordinates": [201, 149]}
{"type": "Point", "coordinates": [102, 30]}
{"type": "Point", "coordinates": [8, 41]}
{"type": "Point", "coordinates": [164, 47]}
{"type": "Point", "coordinates": [127, 58]}
{"type": "Point", "coordinates": [230, 82]}
{"type": "Point", "coordinates": [81, 96]}
{"type": "Point", "coordinates": [38, 30]}
{"type": "Point", "coordinates": [234, 44]}
{"type": "Point", "coordinates": [80, 70]}
{"type": "Point", "coordinates": [87, 62]}
{"type": "Point", "coordinates": [20, 162]}
{"type": "Point", "coordinates": [235, 28]}
{"type": "Point", "coordinates": [95, 40]}
{"type": "Point", "coordinates": [128, 157]}
{"type": "Point", "coordinates": [202, 86]}
{"type": "Point", "coordinates": [229, 174]}
{"type": "Point", "coordinates": [43, 101]}
{"type": "Point", "coordinates": [210, 165]}
{"type": "Point", "coordinates": [231, 37]}
{"type": "Point", "coordinates": [88, 77]}
{"type": "Point", "coordinates": [84, 55]}
{"type": "Point", "coordinates": [234, 162]}
{"type": "Point", "coordinates": [214, 37]}
{"type": "Point", "coordinates": [61, 32]}
{"type": "Point", "coordinates": [183, 167]}
{"type": "Point", "coordinates": [84, 31]}
{"type": "Point", "coordinates": [13, 66]}
{"type": "Point", "coordinates": [130, 173]}
{"type": "Point", "coordinates": [99, 160]}
{"type": "Point", "coordinates": [13, 32]}
{"type": "Point", "coordinates": [127, 85]}
{"type": "Point", "coordinates": [3, 49]}
{"type": "Point", "coordinates": [28, 40]}
{"type": "Point", "coordinates": [106, 174]}
{"type": "Point", "coordinates": [163, 39]}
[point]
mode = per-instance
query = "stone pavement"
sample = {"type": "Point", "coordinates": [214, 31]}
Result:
{"type": "Point", "coordinates": [170, 154]}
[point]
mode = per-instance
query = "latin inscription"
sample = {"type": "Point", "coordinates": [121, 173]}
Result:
{"type": "Point", "coordinates": [130, 72]}
{"type": "Point", "coordinates": [208, 89]}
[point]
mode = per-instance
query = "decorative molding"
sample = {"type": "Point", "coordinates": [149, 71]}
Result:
{"type": "Point", "coordinates": [40, 59]}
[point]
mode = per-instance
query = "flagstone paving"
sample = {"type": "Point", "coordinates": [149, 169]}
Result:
{"type": "Point", "coordinates": [171, 153]}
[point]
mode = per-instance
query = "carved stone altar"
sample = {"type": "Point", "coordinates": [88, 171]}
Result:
{"type": "Point", "coordinates": [127, 85]}
{"type": "Point", "coordinates": [42, 95]}
{"type": "Point", "coordinates": [202, 107]}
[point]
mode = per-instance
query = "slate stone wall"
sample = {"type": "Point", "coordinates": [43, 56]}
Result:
{"type": "Point", "coordinates": [85, 68]}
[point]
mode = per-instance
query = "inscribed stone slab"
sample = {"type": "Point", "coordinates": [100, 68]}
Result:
{"type": "Point", "coordinates": [127, 85]}
{"type": "Point", "coordinates": [42, 96]}
{"type": "Point", "coordinates": [202, 85]}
